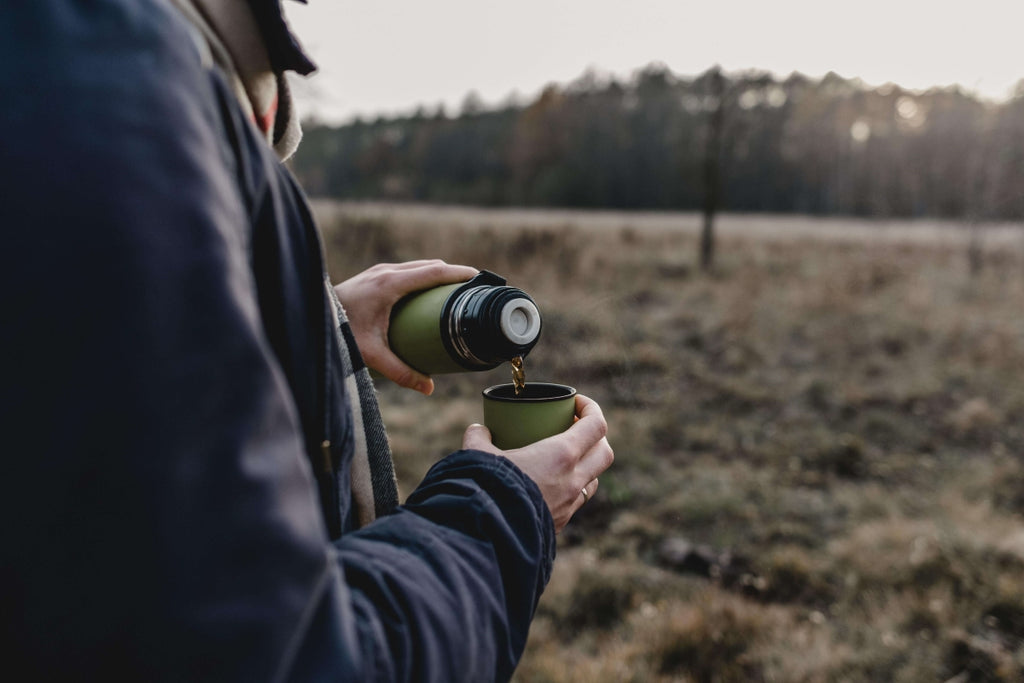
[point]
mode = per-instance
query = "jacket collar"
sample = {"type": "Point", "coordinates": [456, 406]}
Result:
{"type": "Point", "coordinates": [286, 54]}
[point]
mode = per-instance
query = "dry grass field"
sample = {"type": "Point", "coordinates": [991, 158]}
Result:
{"type": "Point", "coordinates": [819, 446]}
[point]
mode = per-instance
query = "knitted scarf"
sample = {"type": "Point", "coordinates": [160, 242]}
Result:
{"type": "Point", "coordinates": [374, 489]}
{"type": "Point", "coordinates": [234, 38]}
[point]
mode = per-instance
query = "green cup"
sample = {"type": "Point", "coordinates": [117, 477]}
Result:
{"type": "Point", "coordinates": [541, 410]}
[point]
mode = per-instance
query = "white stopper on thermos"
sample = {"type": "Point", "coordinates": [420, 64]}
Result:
{"type": "Point", "coordinates": [520, 321]}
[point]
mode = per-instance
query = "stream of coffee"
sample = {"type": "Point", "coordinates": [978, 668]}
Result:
{"type": "Point", "coordinates": [518, 374]}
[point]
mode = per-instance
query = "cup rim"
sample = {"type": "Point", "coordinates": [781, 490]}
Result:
{"type": "Point", "coordinates": [557, 392]}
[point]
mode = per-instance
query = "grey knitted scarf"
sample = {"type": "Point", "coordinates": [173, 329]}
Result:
{"type": "Point", "coordinates": [374, 489]}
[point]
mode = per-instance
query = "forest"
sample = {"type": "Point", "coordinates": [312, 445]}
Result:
{"type": "Point", "coordinates": [661, 141]}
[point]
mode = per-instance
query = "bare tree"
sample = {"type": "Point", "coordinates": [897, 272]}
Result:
{"type": "Point", "coordinates": [712, 167]}
{"type": "Point", "coordinates": [980, 197]}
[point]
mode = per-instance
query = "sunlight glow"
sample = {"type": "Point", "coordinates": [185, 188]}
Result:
{"type": "Point", "coordinates": [860, 131]}
{"type": "Point", "coordinates": [907, 108]}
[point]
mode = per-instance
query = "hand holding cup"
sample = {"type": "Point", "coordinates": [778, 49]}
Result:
{"type": "Point", "coordinates": [562, 465]}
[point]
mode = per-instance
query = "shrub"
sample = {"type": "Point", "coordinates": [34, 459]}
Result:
{"type": "Point", "coordinates": [709, 642]}
{"type": "Point", "coordinates": [597, 601]}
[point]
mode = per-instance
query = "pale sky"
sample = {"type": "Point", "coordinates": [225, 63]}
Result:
{"type": "Point", "coordinates": [388, 56]}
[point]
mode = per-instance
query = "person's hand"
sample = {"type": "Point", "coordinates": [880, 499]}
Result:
{"type": "Point", "coordinates": [368, 298]}
{"type": "Point", "coordinates": [563, 465]}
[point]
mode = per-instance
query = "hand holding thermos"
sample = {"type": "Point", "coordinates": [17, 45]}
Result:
{"type": "Point", "coordinates": [415, 319]}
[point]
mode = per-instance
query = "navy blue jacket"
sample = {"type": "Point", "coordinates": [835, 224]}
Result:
{"type": "Point", "coordinates": [169, 372]}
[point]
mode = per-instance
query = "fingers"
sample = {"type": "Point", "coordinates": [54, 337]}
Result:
{"type": "Point", "coordinates": [478, 438]}
{"type": "Point", "coordinates": [590, 432]}
{"type": "Point", "coordinates": [420, 263]}
{"type": "Point", "coordinates": [587, 407]}
{"type": "Point", "coordinates": [587, 492]}
{"type": "Point", "coordinates": [590, 427]}
{"type": "Point", "coordinates": [417, 275]}
{"type": "Point", "coordinates": [381, 359]}
{"type": "Point", "coordinates": [595, 461]}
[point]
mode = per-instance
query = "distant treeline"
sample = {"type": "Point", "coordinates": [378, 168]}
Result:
{"type": "Point", "coordinates": [828, 146]}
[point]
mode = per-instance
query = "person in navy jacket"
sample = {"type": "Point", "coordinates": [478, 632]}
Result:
{"type": "Point", "coordinates": [176, 403]}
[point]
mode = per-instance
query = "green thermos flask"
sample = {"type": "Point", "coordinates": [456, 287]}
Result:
{"type": "Point", "coordinates": [474, 325]}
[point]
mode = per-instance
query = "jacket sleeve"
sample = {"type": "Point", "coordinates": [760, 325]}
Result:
{"type": "Point", "coordinates": [446, 587]}
{"type": "Point", "coordinates": [162, 518]}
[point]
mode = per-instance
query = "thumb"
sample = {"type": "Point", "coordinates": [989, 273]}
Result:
{"type": "Point", "coordinates": [478, 438]}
